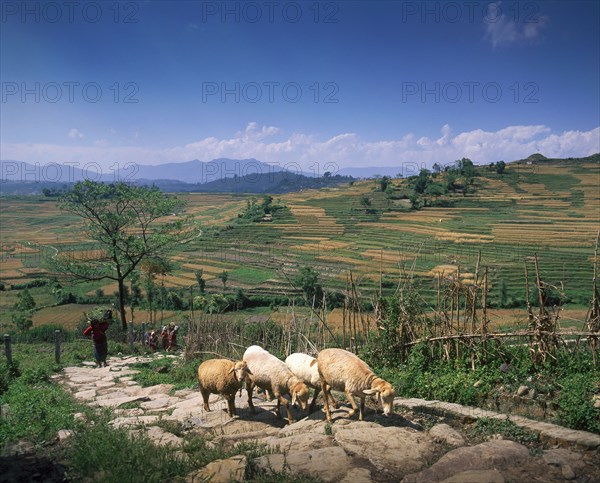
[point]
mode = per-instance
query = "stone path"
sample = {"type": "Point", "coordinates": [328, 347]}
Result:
{"type": "Point", "coordinates": [379, 449]}
{"type": "Point", "coordinates": [549, 433]}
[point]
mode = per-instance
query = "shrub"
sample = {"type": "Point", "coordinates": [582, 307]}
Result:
{"type": "Point", "coordinates": [576, 408]}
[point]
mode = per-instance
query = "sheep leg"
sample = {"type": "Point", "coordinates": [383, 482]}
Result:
{"type": "Point", "coordinates": [286, 403]}
{"type": "Point", "coordinates": [324, 388]}
{"type": "Point", "coordinates": [205, 396]}
{"type": "Point", "coordinates": [362, 409]}
{"type": "Point", "coordinates": [333, 401]}
{"type": "Point", "coordinates": [231, 406]}
{"type": "Point", "coordinates": [312, 404]}
{"type": "Point", "coordinates": [249, 389]}
{"type": "Point", "coordinates": [354, 406]}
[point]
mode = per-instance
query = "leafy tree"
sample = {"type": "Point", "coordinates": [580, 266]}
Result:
{"type": "Point", "coordinates": [267, 204]}
{"type": "Point", "coordinates": [224, 276]}
{"type": "Point", "coordinates": [435, 189]}
{"type": "Point", "coordinates": [466, 168]}
{"type": "Point", "coordinates": [135, 297]}
{"type": "Point", "coordinates": [174, 301]}
{"type": "Point", "coordinates": [307, 279]}
{"type": "Point", "coordinates": [384, 182]}
{"type": "Point", "coordinates": [421, 181]}
{"type": "Point", "coordinates": [503, 293]}
{"type": "Point", "coordinates": [437, 168]}
{"type": "Point", "coordinates": [365, 202]}
{"type": "Point", "coordinates": [200, 280]}
{"type": "Point", "coordinates": [25, 306]}
{"type": "Point", "coordinates": [129, 226]}
{"type": "Point", "coordinates": [210, 303]}
{"type": "Point", "coordinates": [25, 301]}
{"type": "Point", "coordinates": [327, 174]}
{"type": "Point", "coordinates": [240, 299]}
{"type": "Point", "coordinates": [22, 321]}
{"type": "Point", "coordinates": [451, 178]}
{"type": "Point", "coordinates": [500, 167]}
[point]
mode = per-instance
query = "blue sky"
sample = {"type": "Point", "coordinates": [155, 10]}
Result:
{"type": "Point", "coordinates": [355, 83]}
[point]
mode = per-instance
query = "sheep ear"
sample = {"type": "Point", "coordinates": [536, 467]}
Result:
{"type": "Point", "coordinates": [294, 397]}
{"type": "Point", "coordinates": [371, 391]}
{"type": "Point", "coordinates": [313, 362]}
{"type": "Point", "coordinates": [231, 370]}
{"type": "Point", "coordinates": [249, 372]}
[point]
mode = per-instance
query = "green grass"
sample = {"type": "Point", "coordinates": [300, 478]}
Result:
{"type": "Point", "coordinates": [486, 427]}
{"type": "Point", "coordinates": [250, 275]}
{"type": "Point", "coordinates": [102, 453]}
{"type": "Point", "coordinates": [172, 371]}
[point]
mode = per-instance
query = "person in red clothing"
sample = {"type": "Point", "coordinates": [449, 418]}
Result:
{"type": "Point", "coordinates": [97, 330]}
{"type": "Point", "coordinates": [164, 335]}
{"type": "Point", "coordinates": [172, 336]}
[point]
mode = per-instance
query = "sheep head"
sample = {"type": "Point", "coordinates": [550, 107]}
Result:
{"type": "Point", "coordinates": [300, 394]}
{"type": "Point", "coordinates": [240, 370]}
{"type": "Point", "coordinates": [384, 392]}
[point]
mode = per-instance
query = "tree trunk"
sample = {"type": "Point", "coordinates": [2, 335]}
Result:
{"type": "Point", "coordinates": [122, 304]}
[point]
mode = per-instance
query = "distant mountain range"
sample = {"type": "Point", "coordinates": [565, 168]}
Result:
{"type": "Point", "coordinates": [188, 172]}
{"type": "Point", "coordinates": [218, 175]}
{"type": "Point", "coordinates": [194, 171]}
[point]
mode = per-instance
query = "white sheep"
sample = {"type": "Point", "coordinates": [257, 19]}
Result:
{"type": "Point", "coordinates": [271, 374]}
{"type": "Point", "coordinates": [343, 371]}
{"type": "Point", "coordinates": [224, 377]}
{"type": "Point", "coordinates": [304, 367]}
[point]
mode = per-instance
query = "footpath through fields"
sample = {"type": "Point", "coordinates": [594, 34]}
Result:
{"type": "Point", "coordinates": [428, 441]}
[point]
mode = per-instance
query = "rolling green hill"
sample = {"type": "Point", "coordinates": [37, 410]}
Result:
{"type": "Point", "coordinates": [546, 207]}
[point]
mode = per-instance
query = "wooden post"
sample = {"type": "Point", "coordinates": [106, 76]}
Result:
{"type": "Point", "coordinates": [7, 349]}
{"type": "Point", "coordinates": [192, 301]}
{"type": "Point", "coordinates": [57, 346]}
{"type": "Point", "coordinates": [131, 336]}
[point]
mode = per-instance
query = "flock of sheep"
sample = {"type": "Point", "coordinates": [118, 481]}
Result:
{"type": "Point", "coordinates": [332, 369]}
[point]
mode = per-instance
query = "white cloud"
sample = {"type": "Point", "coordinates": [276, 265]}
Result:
{"type": "Point", "coordinates": [512, 24]}
{"type": "Point", "coordinates": [270, 144]}
{"type": "Point", "coordinates": [75, 134]}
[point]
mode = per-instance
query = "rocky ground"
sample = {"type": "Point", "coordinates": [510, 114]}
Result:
{"type": "Point", "coordinates": [409, 447]}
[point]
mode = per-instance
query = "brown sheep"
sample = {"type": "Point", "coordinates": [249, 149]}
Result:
{"type": "Point", "coordinates": [343, 371]}
{"type": "Point", "coordinates": [224, 377]}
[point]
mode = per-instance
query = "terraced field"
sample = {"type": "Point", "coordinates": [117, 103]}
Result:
{"type": "Point", "coordinates": [552, 210]}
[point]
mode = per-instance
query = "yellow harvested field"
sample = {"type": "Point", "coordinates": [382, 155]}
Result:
{"type": "Point", "coordinates": [11, 274]}
{"type": "Point", "coordinates": [387, 256]}
{"type": "Point", "coordinates": [11, 264]}
{"type": "Point", "coordinates": [66, 315]}
{"type": "Point", "coordinates": [307, 238]}
{"type": "Point", "coordinates": [443, 270]}
{"type": "Point", "coordinates": [458, 237]}
{"type": "Point", "coordinates": [558, 234]}
{"type": "Point", "coordinates": [177, 281]}
{"type": "Point", "coordinates": [324, 245]}
{"type": "Point", "coordinates": [424, 216]}
{"type": "Point", "coordinates": [409, 228]}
